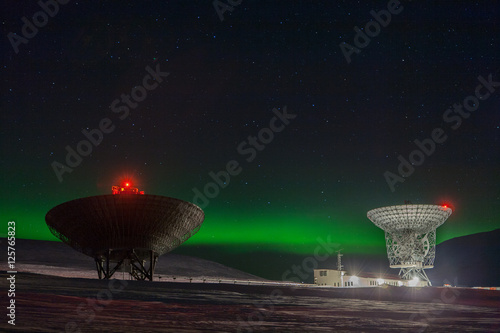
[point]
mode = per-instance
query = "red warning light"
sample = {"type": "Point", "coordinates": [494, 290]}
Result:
{"type": "Point", "coordinates": [125, 188]}
{"type": "Point", "coordinates": [126, 183]}
{"type": "Point", "coordinates": [447, 205]}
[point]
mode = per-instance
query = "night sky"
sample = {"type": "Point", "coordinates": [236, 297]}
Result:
{"type": "Point", "coordinates": [307, 117]}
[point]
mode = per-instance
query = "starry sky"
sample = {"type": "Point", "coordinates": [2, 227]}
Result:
{"type": "Point", "coordinates": [307, 114]}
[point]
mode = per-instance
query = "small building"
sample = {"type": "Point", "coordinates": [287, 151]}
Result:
{"type": "Point", "coordinates": [341, 279]}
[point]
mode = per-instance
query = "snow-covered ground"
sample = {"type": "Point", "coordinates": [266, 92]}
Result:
{"type": "Point", "coordinates": [55, 304]}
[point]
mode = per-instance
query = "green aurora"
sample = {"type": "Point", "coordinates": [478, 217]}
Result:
{"type": "Point", "coordinates": [242, 231]}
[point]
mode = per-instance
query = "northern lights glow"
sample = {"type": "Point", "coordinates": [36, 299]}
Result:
{"type": "Point", "coordinates": [269, 230]}
{"type": "Point", "coordinates": [317, 178]}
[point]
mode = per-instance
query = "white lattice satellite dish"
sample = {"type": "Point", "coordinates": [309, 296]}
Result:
{"type": "Point", "coordinates": [410, 235]}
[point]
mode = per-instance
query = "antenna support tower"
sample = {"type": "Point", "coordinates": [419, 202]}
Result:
{"type": "Point", "coordinates": [410, 236]}
{"type": "Point", "coordinates": [339, 260]}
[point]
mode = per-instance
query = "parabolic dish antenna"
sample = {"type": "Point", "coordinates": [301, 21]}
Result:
{"type": "Point", "coordinates": [124, 230]}
{"type": "Point", "coordinates": [410, 234]}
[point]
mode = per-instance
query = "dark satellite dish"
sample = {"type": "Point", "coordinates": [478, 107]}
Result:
{"type": "Point", "coordinates": [126, 230]}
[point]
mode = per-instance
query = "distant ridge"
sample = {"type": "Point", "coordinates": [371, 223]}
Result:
{"type": "Point", "coordinates": [47, 253]}
{"type": "Point", "coordinates": [472, 260]}
{"type": "Point", "coordinates": [466, 261]}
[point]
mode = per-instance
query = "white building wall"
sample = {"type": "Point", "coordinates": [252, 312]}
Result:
{"type": "Point", "coordinates": [335, 278]}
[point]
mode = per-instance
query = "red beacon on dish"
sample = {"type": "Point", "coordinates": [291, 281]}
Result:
{"type": "Point", "coordinates": [125, 188]}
